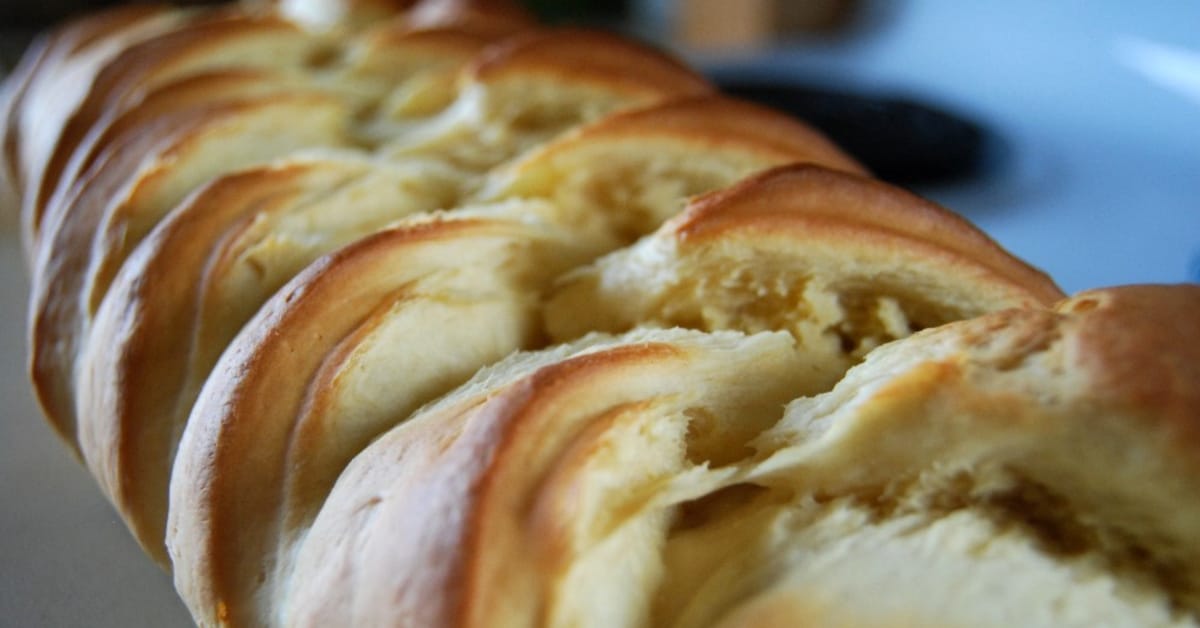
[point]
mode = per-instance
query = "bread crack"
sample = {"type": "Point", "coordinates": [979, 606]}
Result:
{"type": "Point", "coordinates": [1049, 520]}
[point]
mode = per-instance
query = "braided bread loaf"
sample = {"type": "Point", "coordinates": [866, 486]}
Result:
{"type": "Point", "coordinates": [368, 314]}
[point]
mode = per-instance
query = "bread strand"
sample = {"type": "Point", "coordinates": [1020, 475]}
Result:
{"type": "Point", "coordinates": [145, 310]}
{"type": "Point", "coordinates": [108, 454]}
{"type": "Point", "coordinates": [128, 187]}
{"type": "Point", "coordinates": [512, 504]}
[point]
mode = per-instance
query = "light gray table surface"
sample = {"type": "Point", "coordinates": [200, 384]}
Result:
{"type": "Point", "coordinates": [65, 557]}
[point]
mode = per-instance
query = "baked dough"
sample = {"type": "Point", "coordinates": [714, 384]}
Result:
{"type": "Point", "coordinates": [368, 312]}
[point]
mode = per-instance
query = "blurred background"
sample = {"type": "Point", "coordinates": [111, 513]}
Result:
{"type": "Point", "coordinates": [1068, 130]}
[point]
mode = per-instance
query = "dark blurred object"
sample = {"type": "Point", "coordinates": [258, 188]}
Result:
{"type": "Point", "coordinates": [19, 16]}
{"type": "Point", "coordinates": [43, 13]}
{"type": "Point", "coordinates": [12, 45]}
{"type": "Point", "coordinates": [901, 140]}
{"type": "Point", "coordinates": [579, 11]}
{"type": "Point", "coordinates": [22, 21]}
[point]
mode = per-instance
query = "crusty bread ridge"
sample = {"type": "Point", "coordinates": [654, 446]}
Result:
{"type": "Point", "coordinates": [943, 469]}
{"type": "Point", "coordinates": [390, 313]}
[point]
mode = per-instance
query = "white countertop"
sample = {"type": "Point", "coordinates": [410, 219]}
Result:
{"type": "Point", "coordinates": [65, 557]}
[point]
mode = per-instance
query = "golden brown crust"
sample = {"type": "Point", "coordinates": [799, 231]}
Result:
{"type": "Point", "coordinates": [708, 123]}
{"type": "Point", "coordinates": [41, 58]}
{"type": "Point", "coordinates": [141, 65]}
{"type": "Point", "coordinates": [254, 393]}
{"type": "Point", "coordinates": [479, 460]}
{"type": "Point", "coordinates": [967, 399]}
{"type": "Point", "coordinates": [319, 398]}
{"type": "Point", "coordinates": [1039, 412]}
{"type": "Point", "coordinates": [440, 44]}
{"type": "Point", "coordinates": [94, 233]}
{"type": "Point", "coordinates": [128, 223]}
{"type": "Point", "coordinates": [153, 316]}
{"type": "Point", "coordinates": [544, 403]}
{"type": "Point", "coordinates": [53, 96]}
{"type": "Point", "coordinates": [126, 443]}
{"type": "Point", "coordinates": [135, 457]}
{"type": "Point", "coordinates": [842, 264]}
{"type": "Point", "coordinates": [717, 122]}
{"type": "Point", "coordinates": [811, 193]}
{"type": "Point", "coordinates": [143, 95]}
{"type": "Point", "coordinates": [614, 481]}
{"type": "Point", "coordinates": [591, 57]}
{"type": "Point", "coordinates": [1141, 346]}
{"type": "Point", "coordinates": [159, 294]}
{"type": "Point", "coordinates": [58, 273]}
{"type": "Point", "coordinates": [191, 93]}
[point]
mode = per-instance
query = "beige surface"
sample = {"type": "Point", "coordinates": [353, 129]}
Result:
{"type": "Point", "coordinates": [65, 558]}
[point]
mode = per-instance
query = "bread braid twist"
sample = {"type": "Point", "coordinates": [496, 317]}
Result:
{"type": "Point", "coordinates": [382, 313]}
